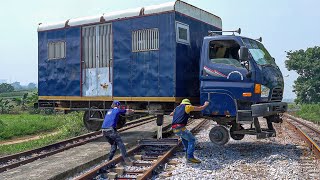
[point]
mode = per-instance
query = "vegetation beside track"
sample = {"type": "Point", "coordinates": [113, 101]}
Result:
{"type": "Point", "coordinates": [309, 112]}
{"type": "Point", "coordinates": [15, 94]}
{"type": "Point", "coordinates": [67, 126]}
{"type": "Point", "coordinates": [18, 125]}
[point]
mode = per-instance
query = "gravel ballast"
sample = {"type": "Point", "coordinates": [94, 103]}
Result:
{"type": "Point", "coordinates": [281, 157]}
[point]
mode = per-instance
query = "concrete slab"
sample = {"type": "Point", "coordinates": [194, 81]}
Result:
{"type": "Point", "coordinates": [75, 160]}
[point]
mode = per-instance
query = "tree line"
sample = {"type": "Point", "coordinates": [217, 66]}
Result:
{"type": "Point", "coordinates": [15, 98]}
{"type": "Point", "coordinates": [307, 64]}
{"type": "Point", "coordinates": [5, 87]}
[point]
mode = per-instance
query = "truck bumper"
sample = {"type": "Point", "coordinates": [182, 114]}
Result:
{"type": "Point", "coordinates": [267, 109]}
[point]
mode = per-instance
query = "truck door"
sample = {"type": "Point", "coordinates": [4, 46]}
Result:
{"type": "Point", "coordinates": [97, 60]}
{"type": "Point", "coordinates": [224, 77]}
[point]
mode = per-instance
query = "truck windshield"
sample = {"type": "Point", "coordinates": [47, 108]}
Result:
{"type": "Point", "coordinates": [258, 52]}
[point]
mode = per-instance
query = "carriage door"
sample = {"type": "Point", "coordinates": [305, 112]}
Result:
{"type": "Point", "coordinates": [97, 60]}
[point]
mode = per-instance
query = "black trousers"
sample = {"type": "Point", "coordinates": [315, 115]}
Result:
{"type": "Point", "coordinates": [115, 141]}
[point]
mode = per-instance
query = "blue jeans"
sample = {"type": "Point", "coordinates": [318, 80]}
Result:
{"type": "Point", "coordinates": [188, 140]}
{"type": "Point", "coordinates": [115, 140]}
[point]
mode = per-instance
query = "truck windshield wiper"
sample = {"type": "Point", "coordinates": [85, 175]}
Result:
{"type": "Point", "coordinates": [270, 65]}
{"type": "Point", "coordinates": [266, 65]}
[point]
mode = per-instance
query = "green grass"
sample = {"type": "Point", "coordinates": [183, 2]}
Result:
{"type": "Point", "coordinates": [72, 126]}
{"type": "Point", "coordinates": [18, 125]}
{"type": "Point", "coordinates": [309, 112]}
{"type": "Point", "coordinates": [15, 94]}
{"type": "Point", "coordinates": [292, 106]}
{"type": "Point", "coordinates": [15, 148]}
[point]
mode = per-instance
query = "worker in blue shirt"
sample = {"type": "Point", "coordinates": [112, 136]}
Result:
{"type": "Point", "coordinates": [180, 119]}
{"type": "Point", "coordinates": [110, 132]}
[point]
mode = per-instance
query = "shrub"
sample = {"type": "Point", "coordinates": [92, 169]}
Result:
{"type": "Point", "coordinates": [310, 112]}
{"type": "Point", "coordinates": [73, 125]}
{"type": "Point", "coordinates": [5, 106]}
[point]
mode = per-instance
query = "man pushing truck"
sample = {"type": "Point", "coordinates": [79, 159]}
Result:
{"type": "Point", "coordinates": [180, 119]}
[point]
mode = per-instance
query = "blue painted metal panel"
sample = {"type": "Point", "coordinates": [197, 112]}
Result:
{"type": "Point", "coordinates": [221, 103]}
{"type": "Point", "coordinates": [188, 57]}
{"type": "Point", "coordinates": [60, 77]}
{"type": "Point", "coordinates": [42, 66]}
{"type": "Point", "coordinates": [235, 89]}
{"type": "Point", "coordinates": [143, 74]}
{"type": "Point", "coordinates": [73, 70]}
{"type": "Point", "coordinates": [122, 63]}
{"type": "Point", "coordinates": [139, 74]}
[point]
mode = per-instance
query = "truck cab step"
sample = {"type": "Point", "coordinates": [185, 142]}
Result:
{"type": "Point", "coordinates": [244, 116]}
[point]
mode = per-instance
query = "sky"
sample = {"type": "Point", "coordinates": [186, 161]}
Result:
{"type": "Point", "coordinates": [283, 25]}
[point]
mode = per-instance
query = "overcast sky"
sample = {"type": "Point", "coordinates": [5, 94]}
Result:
{"type": "Point", "coordinates": [284, 25]}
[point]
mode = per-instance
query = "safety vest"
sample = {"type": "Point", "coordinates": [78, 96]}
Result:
{"type": "Point", "coordinates": [180, 116]}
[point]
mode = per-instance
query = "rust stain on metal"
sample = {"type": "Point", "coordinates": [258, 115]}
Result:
{"type": "Point", "coordinates": [311, 143]}
{"type": "Point", "coordinates": [215, 113]}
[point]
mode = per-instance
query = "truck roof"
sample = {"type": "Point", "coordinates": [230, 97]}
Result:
{"type": "Point", "coordinates": [226, 37]}
{"type": "Point", "coordinates": [177, 6]}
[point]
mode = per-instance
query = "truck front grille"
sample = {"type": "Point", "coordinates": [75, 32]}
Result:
{"type": "Point", "coordinates": [277, 94]}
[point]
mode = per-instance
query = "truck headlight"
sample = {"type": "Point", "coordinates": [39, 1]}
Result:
{"type": "Point", "coordinates": [264, 91]}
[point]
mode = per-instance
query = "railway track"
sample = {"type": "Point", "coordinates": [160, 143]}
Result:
{"type": "Point", "coordinates": [150, 154]}
{"type": "Point", "coordinates": [15, 160]}
{"type": "Point", "coordinates": [308, 133]}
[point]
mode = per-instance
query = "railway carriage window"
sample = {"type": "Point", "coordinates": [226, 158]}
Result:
{"type": "Point", "coordinates": [182, 33]}
{"type": "Point", "coordinates": [56, 50]}
{"type": "Point", "coordinates": [145, 40]}
{"type": "Point", "coordinates": [224, 52]}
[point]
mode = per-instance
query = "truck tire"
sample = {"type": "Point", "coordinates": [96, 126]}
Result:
{"type": "Point", "coordinates": [219, 135]}
{"type": "Point", "coordinates": [92, 125]}
{"type": "Point", "coordinates": [274, 118]}
{"type": "Point", "coordinates": [236, 136]}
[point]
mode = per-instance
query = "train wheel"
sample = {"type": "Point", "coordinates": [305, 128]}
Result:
{"type": "Point", "coordinates": [236, 136]}
{"type": "Point", "coordinates": [92, 125]}
{"type": "Point", "coordinates": [219, 135]}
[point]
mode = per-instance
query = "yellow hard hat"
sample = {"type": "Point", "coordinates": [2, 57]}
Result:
{"type": "Point", "coordinates": [186, 101]}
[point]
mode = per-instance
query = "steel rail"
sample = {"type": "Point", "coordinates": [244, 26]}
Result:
{"type": "Point", "coordinates": [92, 173]}
{"type": "Point", "coordinates": [62, 146]}
{"type": "Point", "coordinates": [146, 174]}
{"type": "Point", "coordinates": [167, 155]}
{"type": "Point", "coordinates": [311, 143]}
{"type": "Point", "coordinates": [304, 124]}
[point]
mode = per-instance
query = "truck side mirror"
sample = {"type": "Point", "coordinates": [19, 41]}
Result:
{"type": "Point", "coordinates": [244, 53]}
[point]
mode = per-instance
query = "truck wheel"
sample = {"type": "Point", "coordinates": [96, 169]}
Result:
{"type": "Point", "coordinates": [92, 125]}
{"type": "Point", "coordinates": [219, 135]}
{"type": "Point", "coordinates": [274, 118]}
{"type": "Point", "coordinates": [236, 136]}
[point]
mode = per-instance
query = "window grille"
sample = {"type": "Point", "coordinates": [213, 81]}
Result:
{"type": "Point", "coordinates": [145, 40]}
{"type": "Point", "coordinates": [97, 46]}
{"type": "Point", "coordinates": [56, 50]}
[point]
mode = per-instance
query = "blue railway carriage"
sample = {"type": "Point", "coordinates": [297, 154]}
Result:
{"type": "Point", "coordinates": [146, 57]}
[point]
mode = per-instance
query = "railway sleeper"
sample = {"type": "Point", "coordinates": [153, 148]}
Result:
{"type": "Point", "coordinates": [142, 161]}
{"type": "Point", "coordinates": [145, 165]}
